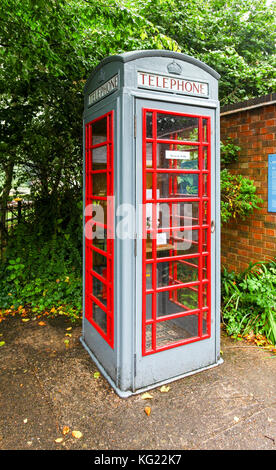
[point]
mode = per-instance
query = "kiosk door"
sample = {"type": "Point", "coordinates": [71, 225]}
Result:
{"type": "Point", "coordinates": [175, 331]}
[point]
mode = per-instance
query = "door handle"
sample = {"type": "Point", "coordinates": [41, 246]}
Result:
{"type": "Point", "coordinates": [213, 226]}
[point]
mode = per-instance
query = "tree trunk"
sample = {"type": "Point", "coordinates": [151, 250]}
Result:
{"type": "Point", "coordinates": [8, 169]}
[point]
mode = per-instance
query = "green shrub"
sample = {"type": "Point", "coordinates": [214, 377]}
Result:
{"type": "Point", "coordinates": [238, 196]}
{"type": "Point", "coordinates": [42, 273]}
{"type": "Point", "coordinates": [229, 152]}
{"type": "Point", "coordinates": [249, 301]}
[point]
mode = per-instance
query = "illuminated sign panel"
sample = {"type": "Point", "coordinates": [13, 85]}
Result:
{"type": "Point", "coordinates": [172, 84]}
{"type": "Point", "coordinates": [104, 90]}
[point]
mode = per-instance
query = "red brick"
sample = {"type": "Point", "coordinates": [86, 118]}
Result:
{"type": "Point", "coordinates": [251, 240]}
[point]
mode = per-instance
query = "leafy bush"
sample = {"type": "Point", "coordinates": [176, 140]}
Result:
{"type": "Point", "coordinates": [249, 300]}
{"type": "Point", "coordinates": [238, 196]}
{"type": "Point", "coordinates": [228, 152]}
{"type": "Point", "coordinates": [42, 274]}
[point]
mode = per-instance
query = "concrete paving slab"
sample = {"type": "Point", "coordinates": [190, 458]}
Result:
{"type": "Point", "coordinates": [232, 406]}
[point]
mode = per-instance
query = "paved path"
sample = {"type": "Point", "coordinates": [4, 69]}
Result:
{"type": "Point", "coordinates": [45, 386]}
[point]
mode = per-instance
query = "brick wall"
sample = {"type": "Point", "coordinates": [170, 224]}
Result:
{"type": "Point", "coordinates": [254, 130]}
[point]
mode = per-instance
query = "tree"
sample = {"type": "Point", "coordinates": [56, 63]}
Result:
{"type": "Point", "coordinates": [48, 48]}
{"type": "Point", "coordinates": [236, 38]}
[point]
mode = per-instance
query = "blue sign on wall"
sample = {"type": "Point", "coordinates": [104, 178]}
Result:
{"type": "Point", "coordinates": [272, 183]}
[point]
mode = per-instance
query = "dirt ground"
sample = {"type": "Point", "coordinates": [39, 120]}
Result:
{"type": "Point", "coordinates": [45, 386]}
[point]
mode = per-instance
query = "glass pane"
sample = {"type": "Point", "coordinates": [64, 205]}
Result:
{"type": "Point", "coordinates": [149, 125]}
{"type": "Point", "coordinates": [204, 295]}
{"type": "Point", "coordinates": [187, 270]}
{"type": "Point", "coordinates": [168, 215]}
{"type": "Point", "coordinates": [149, 155]}
{"type": "Point", "coordinates": [148, 276]}
{"type": "Point", "coordinates": [149, 248]}
{"type": "Point", "coordinates": [205, 213]}
{"type": "Point", "coordinates": [94, 231]}
{"type": "Point", "coordinates": [171, 331]}
{"type": "Point", "coordinates": [205, 187]}
{"type": "Point", "coordinates": [204, 240]}
{"type": "Point", "coordinates": [149, 214]}
{"type": "Point", "coordinates": [204, 322]}
{"type": "Point", "coordinates": [178, 214]}
{"type": "Point", "coordinates": [99, 264]}
{"type": "Point", "coordinates": [149, 185]}
{"type": "Point", "coordinates": [176, 301]}
{"type": "Point", "coordinates": [204, 267]}
{"type": "Point", "coordinates": [99, 290]}
{"type": "Point", "coordinates": [99, 131]}
{"type": "Point", "coordinates": [177, 156]}
{"type": "Point", "coordinates": [186, 240]}
{"type": "Point", "coordinates": [175, 272]}
{"type": "Point", "coordinates": [178, 244]}
{"type": "Point", "coordinates": [166, 304]}
{"type": "Point", "coordinates": [170, 126]}
{"type": "Point", "coordinates": [98, 211]}
{"type": "Point", "coordinates": [205, 158]}
{"type": "Point", "coordinates": [99, 158]}
{"type": "Point", "coordinates": [204, 130]}
{"type": "Point", "coordinates": [148, 306]}
{"type": "Point", "coordinates": [177, 186]}
{"type": "Point", "coordinates": [99, 184]}
{"type": "Point", "coordinates": [148, 337]}
{"type": "Point", "coordinates": [100, 243]}
{"type": "Point", "coordinates": [99, 317]}
{"type": "Point", "coordinates": [188, 297]}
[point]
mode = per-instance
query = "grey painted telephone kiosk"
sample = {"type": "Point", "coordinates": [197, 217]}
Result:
{"type": "Point", "coordinates": [152, 218]}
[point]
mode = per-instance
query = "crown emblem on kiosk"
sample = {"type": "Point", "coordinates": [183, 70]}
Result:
{"type": "Point", "coordinates": [175, 68]}
{"type": "Point", "coordinates": [101, 77]}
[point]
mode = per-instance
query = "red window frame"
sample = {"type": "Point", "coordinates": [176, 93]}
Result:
{"type": "Point", "coordinates": [90, 198]}
{"type": "Point", "coordinates": [202, 285]}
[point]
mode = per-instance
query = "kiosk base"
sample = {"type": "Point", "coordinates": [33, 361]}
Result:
{"type": "Point", "coordinates": [128, 393]}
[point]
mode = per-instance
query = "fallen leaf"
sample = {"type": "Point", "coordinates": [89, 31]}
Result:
{"type": "Point", "coordinates": [76, 434]}
{"type": "Point", "coordinates": [25, 319]}
{"type": "Point", "coordinates": [147, 410]}
{"type": "Point", "coordinates": [42, 323]}
{"type": "Point", "coordinates": [2, 343]}
{"type": "Point", "coordinates": [146, 396]}
{"type": "Point", "coordinates": [65, 430]}
{"type": "Point", "coordinates": [68, 329]}
{"type": "Point", "coordinates": [58, 440]}
{"type": "Point", "coordinates": [165, 388]}
{"type": "Point", "coordinates": [96, 375]}
{"type": "Point", "coordinates": [68, 334]}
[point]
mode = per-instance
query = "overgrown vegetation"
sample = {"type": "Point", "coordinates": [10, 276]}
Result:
{"type": "Point", "coordinates": [42, 274]}
{"type": "Point", "coordinates": [238, 196]}
{"type": "Point", "coordinates": [48, 49]}
{"type": "Point", "coordinates": [249, 301]}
